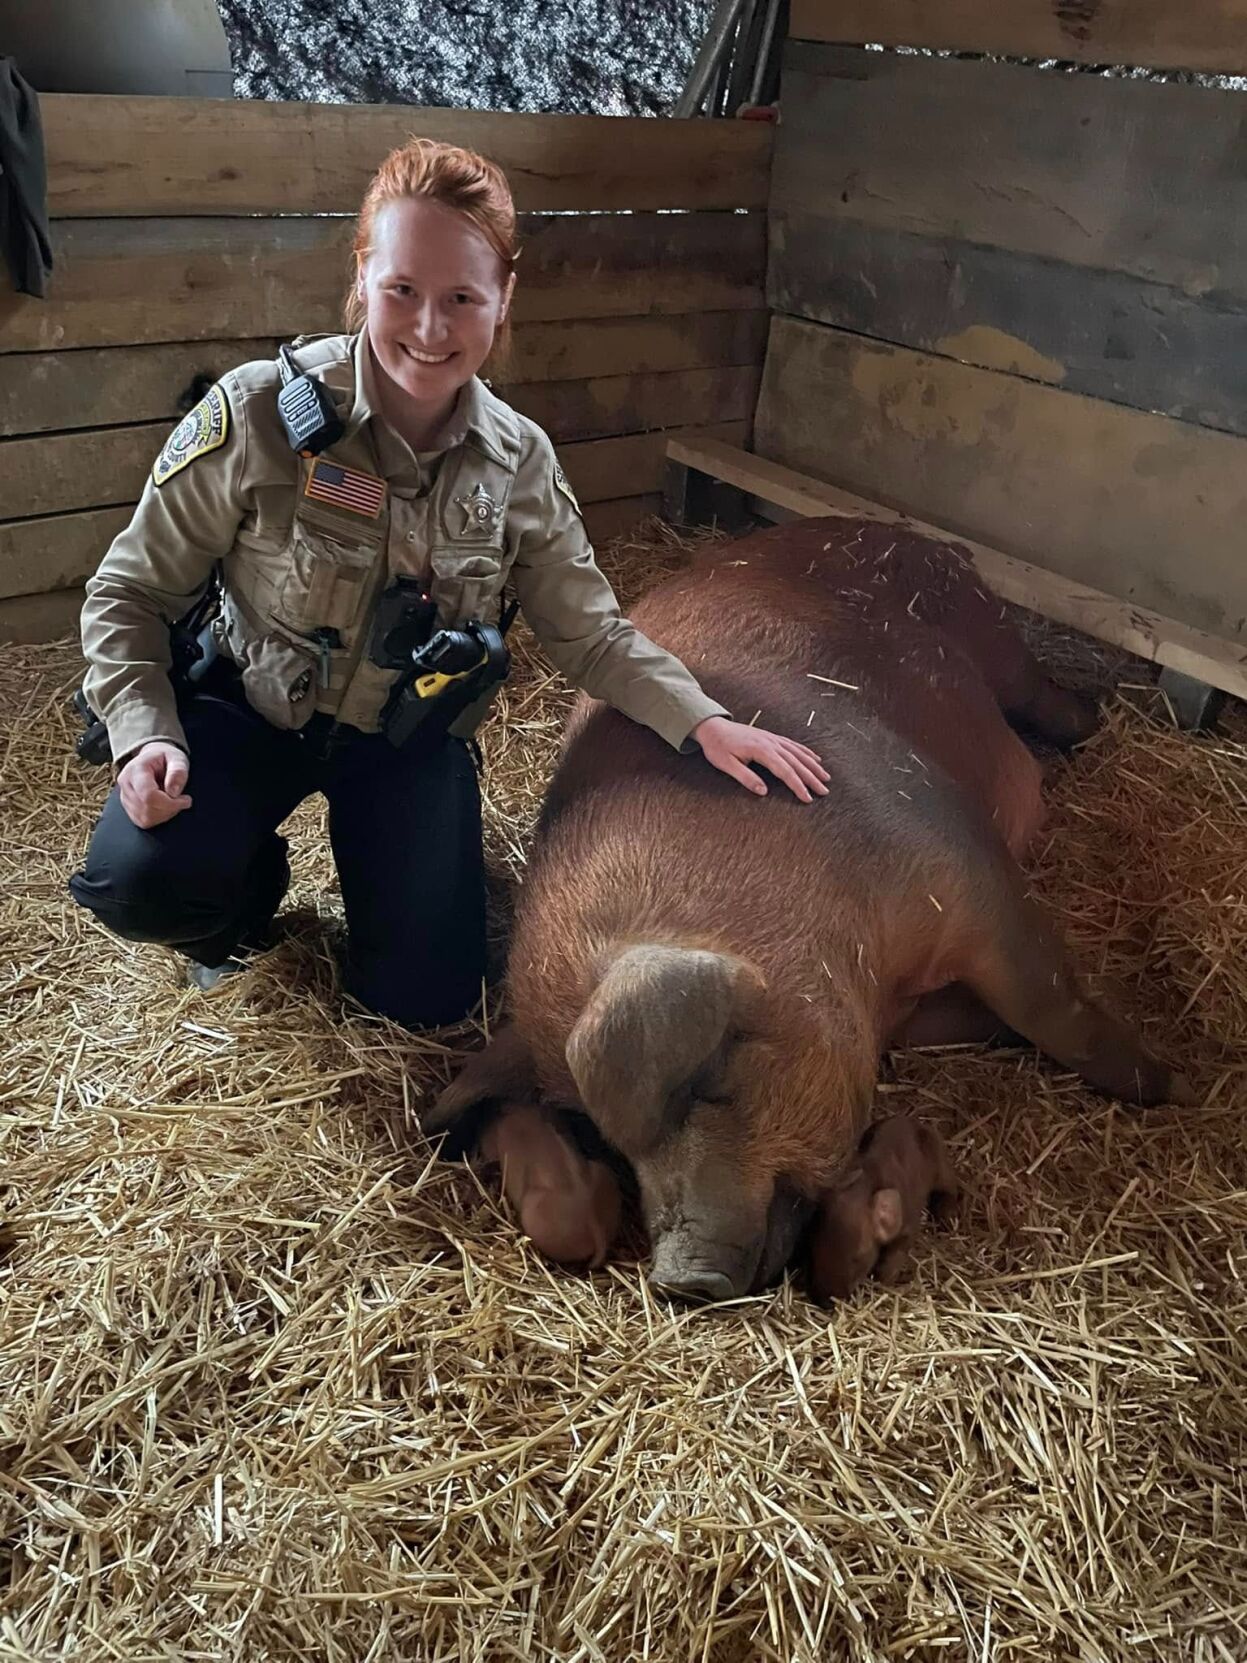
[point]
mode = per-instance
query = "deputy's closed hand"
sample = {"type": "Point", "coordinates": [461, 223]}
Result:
{"type": "Point", "coordinates": [732, 746]}
{"type": "Point", "coordinates": [152, 784]}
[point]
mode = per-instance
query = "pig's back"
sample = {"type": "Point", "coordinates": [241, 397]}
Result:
{"type": "Point", "coordinates": [834, 633]}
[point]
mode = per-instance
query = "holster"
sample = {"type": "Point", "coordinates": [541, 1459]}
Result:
{"type": "Point", "coordinates": [433, 694]}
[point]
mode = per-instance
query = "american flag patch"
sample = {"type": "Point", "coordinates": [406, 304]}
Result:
{"type": "Point", "coordinates": [362, 493]}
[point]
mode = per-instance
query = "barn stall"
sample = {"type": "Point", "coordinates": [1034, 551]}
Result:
{"type": "Point", "coordinates": [276, 1383]}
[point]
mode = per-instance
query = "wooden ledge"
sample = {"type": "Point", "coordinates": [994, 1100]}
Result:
{"type": "Point", "coordinates": [1192, 652]}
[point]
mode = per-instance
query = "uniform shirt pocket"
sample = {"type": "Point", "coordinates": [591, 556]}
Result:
{"type": "Point", "coordinates": [465, 585]}
{"type": "Point", "coordinates": [279, 680]}
{"type": "Point", "coordinates": [325, 581]}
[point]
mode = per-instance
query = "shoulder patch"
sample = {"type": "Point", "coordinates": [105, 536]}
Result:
{"type": "Point", "coordinates": [560, 479]}
{"type": "Point", "coordinates": [205, 429]}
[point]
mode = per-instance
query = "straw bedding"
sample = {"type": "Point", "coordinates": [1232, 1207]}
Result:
{"type": "Point", "coordinates": [276, 1385]}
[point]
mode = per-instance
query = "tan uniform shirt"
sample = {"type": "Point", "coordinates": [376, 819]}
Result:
{"type": "Point", "coordinates": [304, 563]}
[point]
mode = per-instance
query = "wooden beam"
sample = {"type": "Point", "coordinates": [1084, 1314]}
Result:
{"type": "Point", "coordinates": [43, 392]}
{"type": "Point", "coordinates": [114, 386]}
{"type": "Point", "coordinates": [582, 350]}
{"type": "Point", "coordinates": [1140, 506]}
{"type": "Point", "coordinates": [605, 520]}
{"type": "Point", "coordinates": [1149, 345]}
{"type": "Point", "coordinates": [602, 469]}
{"type": "Point", "coordinates": [41, 617]}
{"type": "Point", "coordinates": [612, 404]}
{"type": "Point", "coordinates": [146, 157]}
{"type": "Point", "coordinates": [1102, 172]}
{"type": "Point", "coordinates": [54, 473]}
{"type": "Point", "coordinates": [1194, 652]}
{"type": "Point", "coordinates": [59, 551]}
{"type": "Point", "coordinates": [1158, 34]}
{"type": "Point", "coordinates": [134, 282]}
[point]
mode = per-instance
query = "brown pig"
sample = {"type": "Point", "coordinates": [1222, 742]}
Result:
{"type": "Point", "coordinates": [868, 1220]}
{"type": "Point", "coordinates": [712, 976]}
{"type": "Point", "coordinates": [568, 1205]}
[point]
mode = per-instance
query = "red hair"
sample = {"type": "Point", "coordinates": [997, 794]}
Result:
{"type": "Point", "coordinates": [456, 178]}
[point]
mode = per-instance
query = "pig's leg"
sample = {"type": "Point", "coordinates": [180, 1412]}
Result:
{"type": "Point", "coordinates": [1021, 971]}
{"type": "Point", "coordinates": [895, 1260]}
{"type": "Point", "coordinates": [1057, 714]}
{"type": "Point", "coordinates": [953, 1015]}
{"type": "Point", "coordinates": [1024, 691]}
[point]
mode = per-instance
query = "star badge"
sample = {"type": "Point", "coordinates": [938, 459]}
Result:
{"type": "Point", "coordinates": [479, 508]}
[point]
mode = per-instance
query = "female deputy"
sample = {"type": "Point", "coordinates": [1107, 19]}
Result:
{"type": "Point", "coordinates": [337, 556]}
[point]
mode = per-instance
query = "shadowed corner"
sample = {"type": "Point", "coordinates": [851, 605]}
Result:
{"type": "Point", "coordinates": [787, 1223]}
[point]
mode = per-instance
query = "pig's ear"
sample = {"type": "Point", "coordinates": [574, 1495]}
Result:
{"type": "Point", "coordinates": [887, 1216]}
{"type": "Point", "coordinates": [654, 1022]}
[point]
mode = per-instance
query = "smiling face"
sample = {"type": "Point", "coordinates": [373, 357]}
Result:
{"type": "Point", "coordinates": [434, 294]}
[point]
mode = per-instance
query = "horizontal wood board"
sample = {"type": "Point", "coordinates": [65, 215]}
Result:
{"type": "Point", "coordinates": [615, 404]}
{"type": "Point", "coordinates": [46, 392]}
{"type": "Point", "coordinates": [55, 549]}
{"type": "Point", "coordinates": [50, 473]}
{"type": "Point", "coordinates": [41, 617]}
{"type": "Point", "coordinates": [104, 386]}
{"type": "Point", "coordinates": [1159, 34]}
{"type": "Point", "coordinates": [149, 157]}
{"type": "Point", "coordinates": [49, 616]}
{"type": "Point", "coordinates": [1103, 333]}
{"type": "Point", "coordinates": [1193, 652]}
{"type": "Point", "coordinates": [135, 282]}
{"type": "Point", "coordinates": [619, 517]}
{"type": "Point", "coordinates": [1112, 174]}
{"type": "Point", "coordinates": [1142, 507]}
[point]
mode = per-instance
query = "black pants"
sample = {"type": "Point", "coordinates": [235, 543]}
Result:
{"type": "Point", "coordinates": [406, 837]}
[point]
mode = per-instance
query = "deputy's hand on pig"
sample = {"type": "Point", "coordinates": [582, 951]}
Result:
{"type": "Point", "coordinates": [731, 746]}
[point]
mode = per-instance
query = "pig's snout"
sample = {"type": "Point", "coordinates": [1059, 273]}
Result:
{"type": "Point", "coordinates": [702, 1263]}
{"type": "Point", "coordinates": [710, 1270]}
{"type": "Point", "coordinates": [700, 1287]}
{"type": "Point", "coordinates": [690, 1268]}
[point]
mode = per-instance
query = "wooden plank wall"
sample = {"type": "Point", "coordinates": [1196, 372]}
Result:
{"type": "Point", "coordinates": [191, 235]}
{"type": "Point", "coordinates": [1014, 300]}
{"type": "Point", "coordinates": [1157, 34]}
